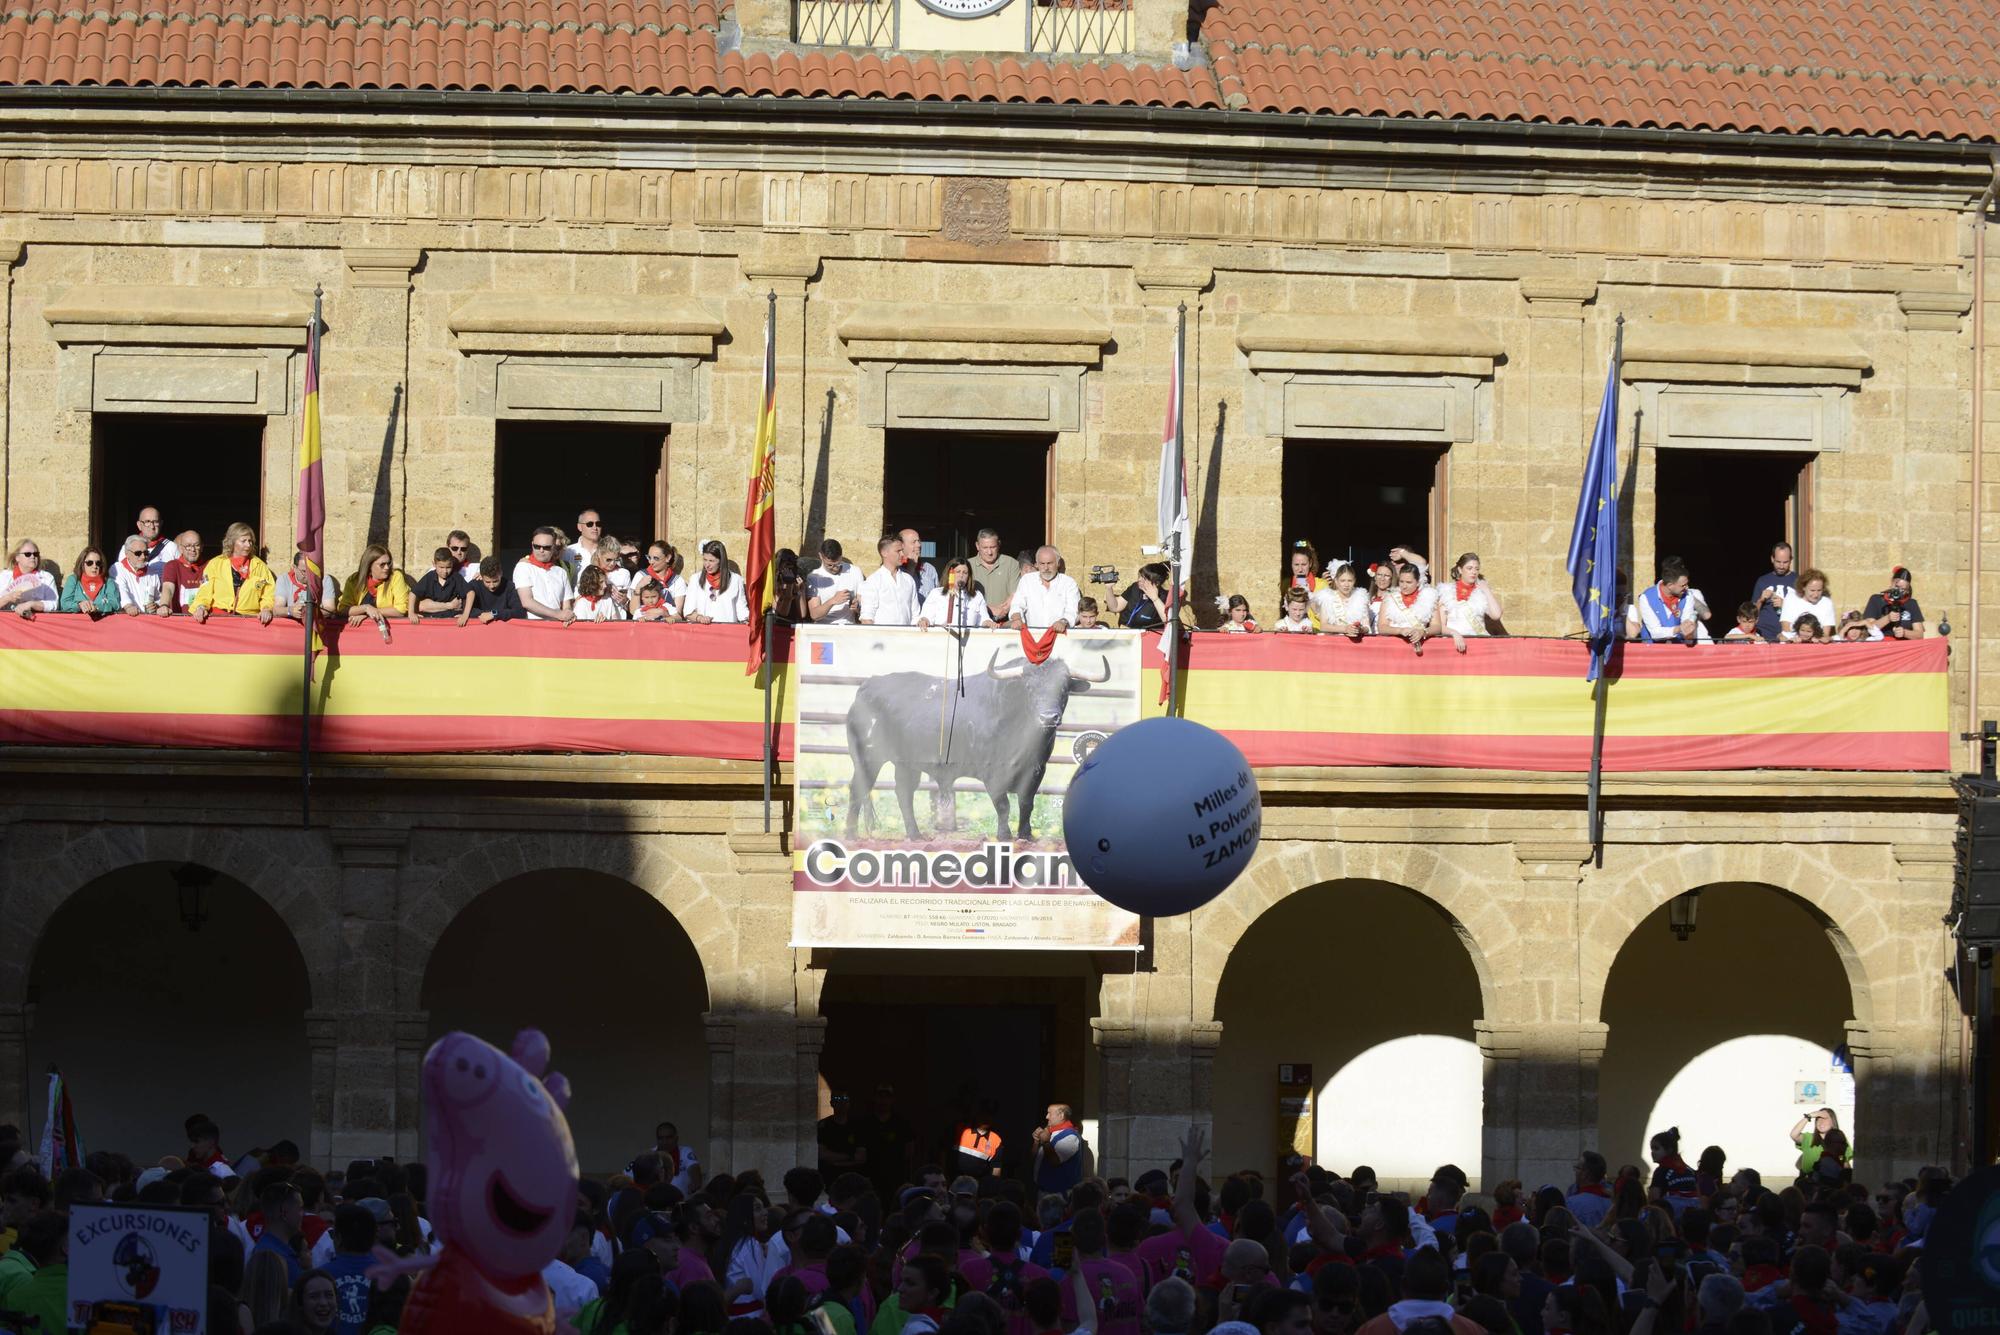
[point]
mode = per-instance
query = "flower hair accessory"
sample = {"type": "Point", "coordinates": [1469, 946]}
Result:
{"type": "Point", "coordinates": [1222, 602]}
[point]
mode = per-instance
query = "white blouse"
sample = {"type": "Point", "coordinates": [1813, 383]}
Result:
{"type": "Point", "coordinates": [945, 608]}
{"type": "Point", "coordinates": [1334, 611]}
{"type": "Point", "coordinates": [1796, 606]}
{"type": "Point", "coordinates": [729, 605]}
{"type": "Point", "coordinates": [1395, 618]}
{"type": "Point", "coordinates": [37, 589]}
{"type": "Point", "coordinates": [1286, 626]}
{"type": "Point", "coordinates": [1467, 617]}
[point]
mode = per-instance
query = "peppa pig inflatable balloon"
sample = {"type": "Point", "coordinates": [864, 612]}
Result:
{"type": "Point", "coordinates": [1162, 816]}
{"type": "Point", "coordinates": [502, 1190]}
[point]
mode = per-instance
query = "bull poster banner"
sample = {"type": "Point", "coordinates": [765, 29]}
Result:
{"type": "Point", "coordinates": [929, 773]}
{"type": "Point", "coordinates": [143, 1266]}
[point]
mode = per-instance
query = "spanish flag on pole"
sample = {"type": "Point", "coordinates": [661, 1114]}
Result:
{"type": "Point", "coordinates": [312, 484]}
{"type": "Point", "coordinates": [758, 520]}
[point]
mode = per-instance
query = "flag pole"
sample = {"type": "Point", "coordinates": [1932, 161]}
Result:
{"type": "Point", "coordinates": [770, 610]}
{"type": "Point", "coordinates": [770, 744]}
{"type": "Point", "coordinates": [310, 622]}
{"type": "Point", "coordinates": [1173, 627]}
{"type": "Point", "coordinates": [1602, 687]}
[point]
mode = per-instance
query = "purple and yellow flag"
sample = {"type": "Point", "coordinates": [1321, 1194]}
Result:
{"type": "Point", "coordinates": [312, 483]}
{"type": "Point", "coordinates": [758, 519]}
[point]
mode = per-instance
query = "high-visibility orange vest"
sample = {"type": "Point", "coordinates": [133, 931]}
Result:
{"type": "Point", "coordinates": [979, 1144]}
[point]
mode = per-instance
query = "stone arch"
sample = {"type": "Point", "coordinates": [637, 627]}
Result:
{"type": "Point", "coordinates": [1853, 920]}
{"type": "Point", "coordinates": [437, 893]}
{"type": "Point", "coordinates": [290, 871]}
{"type": "Point", "coordinates": [627, 1027]}
{"type": "Point", "coordinates": [1436, 874]}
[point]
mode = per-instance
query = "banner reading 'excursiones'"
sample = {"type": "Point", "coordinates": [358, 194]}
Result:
{"type": "Point", "coordinates": [930, 769]}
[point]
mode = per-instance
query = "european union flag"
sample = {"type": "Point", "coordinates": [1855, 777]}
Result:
{"type": "Point", "coordinates": [1593, 542]}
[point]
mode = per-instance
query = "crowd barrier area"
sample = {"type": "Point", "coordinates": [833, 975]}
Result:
{"type": "Point", "coordinates": [1513, 703]}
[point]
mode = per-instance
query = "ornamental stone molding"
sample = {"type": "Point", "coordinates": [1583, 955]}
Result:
{"type": "Point", "coordinates": [604, 358]}
{"type": "Point", "coordinates": [1346, 376]}
{"type": "Point", "coordinates": [1722, 388]}
{"type": "Point", "coordinates": [161, 347]}
{"type": "Point", "coordinates": [972, 366]}
{"type": "Point", "coordinates": [1933, 312]}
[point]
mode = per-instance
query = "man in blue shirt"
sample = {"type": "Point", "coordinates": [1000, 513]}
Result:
{"type": "Point", "coordinates": [284, 1215]}
{"type": "Point", "coordinates": [1768, 593]}
{"type": "Point", "coordinates": [353, 1253]}
{"type": "Point", "coordinates": [1058, 1147]}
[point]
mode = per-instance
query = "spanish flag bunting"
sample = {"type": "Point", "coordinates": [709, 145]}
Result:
{"type": "Point", "coordinates": [758, 519]}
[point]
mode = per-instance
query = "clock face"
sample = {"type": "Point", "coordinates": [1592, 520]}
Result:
{"type": "Point", "coordinates": [964, 9]}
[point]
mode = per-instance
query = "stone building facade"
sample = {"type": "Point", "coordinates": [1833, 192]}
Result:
{"type": "Point", "coordinates": [589, 261]}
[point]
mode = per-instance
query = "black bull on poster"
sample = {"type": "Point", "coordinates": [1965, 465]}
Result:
{"type": "Point", "coordinates": [929, 779]}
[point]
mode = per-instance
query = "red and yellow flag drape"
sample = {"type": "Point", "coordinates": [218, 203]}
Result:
{"type": "Point", "coordinates": [311, 535]}
{"type": "Point", "coordinates": [758, 519]}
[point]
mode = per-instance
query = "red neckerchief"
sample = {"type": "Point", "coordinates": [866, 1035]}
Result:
{"type": "Point", "coordinates": [1381, 1250]}
{"type": "Point", "coordinates": [1410, 598]}
{"type": "Point", "coordinates": [1668, 601]}
{"type": "Point", "coordinates": [540, 564]}
{"type": "Point", "coordinates": [1591, 1189]}
{"type": "Point", "coordinates": [1761, 1277]}
{"type": "Point", "coordinates": [240, 564]}
{"type": "Point", "coordinates": [92, 585]}
{"type": "Point", "coordinates": [1037, 650]}
{"type": "Point", "coordinates": [1504, 1215]}
{"type": "Point", "coordinates": [714, 582]}
{"type": "Point", "coordinates": [1465, 591]}
{"type": "Point", "coordinates": [373, 584]}
{"type": "Point", "coordinates": [592, 603]}
{"type": "Point", "coordinates": [22, 574]}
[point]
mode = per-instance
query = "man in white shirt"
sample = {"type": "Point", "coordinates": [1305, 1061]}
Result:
{"type": "Point", "coordinates": [160, 548]}
{"type": "Point", "coordinates": [138, 583]}
{"type": "Point", "coordinates": [1045, 600]}
{"type": "Point", "coordinates": [589, 528]}
{"type": "Point", "coordinates": [834, 587]}
{"type": "Point", "coordinates": [1664, 612]}
{"type": "Point", "coordinates": [889, 596]}
{"type": "Point", "coordinates": [915, 566]}
{"type": "Point", "coordinates": [459, 543]}
{"type": "Point", "coordinates": [543, 581]}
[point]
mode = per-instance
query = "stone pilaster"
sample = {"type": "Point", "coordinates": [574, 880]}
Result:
{"type": "Point", "coordinates": [1540, 1060]}
{"type": "Point", "coordinates": [10, 255]}
{"type": "Point", "coordinates": [1114, 1040]}
{"type": "Point", "coordinates": [809, 1039]}
{"type": "Point", "coordinates": [754, 1036]}
{"type": "Point", "coordinates": [720, 1031]}
{"type": "Point", "coordinates": [367, 405]}
{"type": "Point", "coordinates": [363, 1083]}
{"type": "Point", "coordinates": [412, 1037]}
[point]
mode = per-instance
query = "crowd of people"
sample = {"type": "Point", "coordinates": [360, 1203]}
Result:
{"type": "Point", "coordinates": [597, 576]}
{"type": "Point", "coordinates": [661, 1249]}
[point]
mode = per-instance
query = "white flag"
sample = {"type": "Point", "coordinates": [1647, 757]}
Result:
{"type": "Point", "coordinates": [1173, 474]}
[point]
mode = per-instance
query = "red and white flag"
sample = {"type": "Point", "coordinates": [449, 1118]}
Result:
{"type": "Point", "coordinates": [1175, 541]}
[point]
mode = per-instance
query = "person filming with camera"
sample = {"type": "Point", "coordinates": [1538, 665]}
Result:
{"type": "Point", "coordinates": [1143, 605]}
{"type": "Point", "coordinates": [1893, 611]}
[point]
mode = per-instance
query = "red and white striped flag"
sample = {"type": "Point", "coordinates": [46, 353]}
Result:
{"type": "Point", "coordinates": [1174, 538]}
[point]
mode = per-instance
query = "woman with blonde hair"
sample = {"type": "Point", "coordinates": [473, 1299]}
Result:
{"type": "Point", "coordinates": [267, 1289]}
{"type": "Point", "coordinates": [236, 582]}
{"type": "Point", "coordinates": [375, 592]}
{"type": "Point", "coordinates": [26, 587]}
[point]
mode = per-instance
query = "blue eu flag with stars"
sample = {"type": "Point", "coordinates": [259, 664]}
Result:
{"type": "Point", "coordinates": [1593, 542]}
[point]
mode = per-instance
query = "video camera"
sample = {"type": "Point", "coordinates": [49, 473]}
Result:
{"type": "Point", "coordinates": [1104, 574]}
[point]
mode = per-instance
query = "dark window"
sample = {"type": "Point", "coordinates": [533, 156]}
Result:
{"type": "Point", "coordinates": [949, 485]}
{"type": "Point", "coordinates": [1355, 502]}
{"type": "Point", "coordinates": [1721, 511]}
{"type": "Point", "coordinates": [550, 472]}
{"type": "Point", "coordinates": [201, 473]}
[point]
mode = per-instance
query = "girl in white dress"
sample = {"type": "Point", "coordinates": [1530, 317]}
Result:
{"type": "Point", "coordinates": [1342, 609]}
{"type": "Point", "coordinates": [1297, 619]}
{"type": "Point", "coordinates": [1467, 602]}
{"type": "Point", "coordinates": [1236, 615]}
{"type": "Point", "coordinates": [1409, 610]}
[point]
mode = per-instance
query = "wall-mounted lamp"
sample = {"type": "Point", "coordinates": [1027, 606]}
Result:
{"type": "Point", "coordinates": [190, 880]}
{"type": "Point", "coordinates": [1681, 912]}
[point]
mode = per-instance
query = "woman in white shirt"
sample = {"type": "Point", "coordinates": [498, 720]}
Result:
{"type": "Point", "coordinates": [1811, 594]}
{"type": "Point", "coordinates": [1408, 609]}
{"type": "Point", "coordinates": [1381, 579]}
{"type": "Point", "coordinates": [950, 605]}
{"type": "Point", "coordinates": [26, 588]}
{"type": "Point", "coordinates": [1467, 602]}
{"type": "Point", "coordinates": [753, 1262]}
{"type": "Point", "coordinates": [716, 594]}
{"type": "Point", "coordinates": [594, 600]}
{"type": "Point", "coordinates": [663, 567]}
{"type": "Point", "coordinates": [1342, 609]}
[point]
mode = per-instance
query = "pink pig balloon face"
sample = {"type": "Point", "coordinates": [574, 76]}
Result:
{"type": "Point", "coordinates": [502, 1166]}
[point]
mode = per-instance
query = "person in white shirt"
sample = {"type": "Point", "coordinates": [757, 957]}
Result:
{"type": "Point", "coordinates": [950, 604]}
{"type": "Point", "coordinates": [663, 569]}
{"type": "Point", "coordinates": [1297, 619]}
{"type": "Point", "coordinates": [459, 543]}
{"type": "Point", "coordinates": [138, 585]}
{"type": "Point", "coordinates": [26, 588]}
{"type": "Point", "coordinates": [593, 597]}
{"type": "Point", "coordinates": [590, 528]}
{"type": "Point", "coordinates": [617, 579]}
{"type": "Point", "coordinates": [1812, 595]}
{"type": "Point", "coordinates": [543, 581]}
{"type": "Point", "coordinates": [569, 1288]}
{"type": "Point", "coordinates": [1467, 602]}
{"type": "Point", "coordinates": [1341, 607]}
{"type": "Point", "coordinates": [1409, 608]}
{"type": "Point", "coordinates": [1046, 599]}
{"type": "Point", "coordinates": [160, 549]}
{"type": "Point", "coordinates": [889, 596]}
{"type": "Point", "coordinates": [716, 594]}
{"type": "Point", "coordinates": [1746, 623]}
{"type": "Point", "coordinates": [915, 566]}
{"type": "Point", "coordinates": [834, 587]}
{"type": "Point", "coordinates": [1664, 612]}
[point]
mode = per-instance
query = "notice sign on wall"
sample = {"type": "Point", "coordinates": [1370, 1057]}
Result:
{"type": "Point", "coordinates": [930, 768]}
{"type": "Point", "coordinates": [153, 1258]}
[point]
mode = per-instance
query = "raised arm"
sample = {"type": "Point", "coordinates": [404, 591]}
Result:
{"type": "Point", "coordinates": [1193, 1149]}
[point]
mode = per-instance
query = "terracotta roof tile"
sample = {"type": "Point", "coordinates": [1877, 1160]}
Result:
{"type": "Point", "coordinates": [1895, 67]}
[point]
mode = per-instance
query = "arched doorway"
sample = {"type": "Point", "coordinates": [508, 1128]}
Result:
{"type": "Point", "coordinates": [610, 976]}
{"type": "Point", "coordinates": [948, 1030]}
{"type": "Point", "coordinates": [1371, 985]}
{"type": "Point", "coordinates": [166, 989]}
{"type": "Point", "coordinates": [1728, 1035]}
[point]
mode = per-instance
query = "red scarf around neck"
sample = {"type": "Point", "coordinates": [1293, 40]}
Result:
{"type": "Point", "coordinates": [714, 582]}
{"type": "Point", "coordinates": [92, 585]}
{"type": "Point", "coordinates": [1465, 591]}
{"type": "Point", "coordinates": [1037, 648]}
{"type": "Point", "coordinates": [1410, 598]}
{"type": "Point", "coordinates": [373, 584]}
{"type": "Point", "coordinates": [1670, 602]}
{"type": "Point", "coordinates": [539, 564]}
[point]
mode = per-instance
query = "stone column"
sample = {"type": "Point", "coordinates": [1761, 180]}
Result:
{"type": "Point", "coordinates": [1156, 1061]}
{"type": "Point", "coordinates": [789, 275]}
{"type": "Point", "coordinates": [355, 1085]}
{"type": "Point", "coordinates": [1114, 1095]}
{"type": "Point", "coordinates": [367, 409]}
{"type": "Point", "coordinates": [412, 1038]}
{"type": "Point", "coordinates": [1559, 405]}
{"type": "Point", "coordinates": [759, 1115]}
{"type": "Point", "coordinates": [809, 1036]}
{"type": "Point", "coordinates": [720, 1031]}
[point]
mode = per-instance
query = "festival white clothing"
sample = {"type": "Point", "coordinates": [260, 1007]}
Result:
{"type": "Point", "coordinates": [889, 598]}
{"type": "Point", "coordinates": [1286, 626]}
{"type": "Point", "coordinates": [727, 604]}
{"type": "Point", "coordinates": [822, 583]}
{"type": "Point", "coordinates": [1041, 605]}
{"type": "Point", "coordinates": [1333, 610]}
{"type": "Point", "coordinates": [1398, 619]}
{"type": "Point", "coordinates": [1466, 616]}
{"type": "Point", "coordinates": [951, 608]}
{"type": "Point", "coordinates": [550, 587]}
{"type": "Point", "coordinates": [684, 1168]}
{"type": "Point", "coordinates": [925, 575]}
{"type": "Point", "coordinates": [758, 1262]}
{"type": "Point", "coordinates": [569, 1289]}
{"type": "Point", "coordinates": [602, 608]}
{"type": "Point", "coordinates": [140, 588]}
{"type": "Point", "coordinates": [1796, 606]}
{"type": "Point", "coordinates": [37, 589]}
{"type": "Point", "coordinates": [671, 592]}
{"type": "Point", "coordinates": [576, 556]}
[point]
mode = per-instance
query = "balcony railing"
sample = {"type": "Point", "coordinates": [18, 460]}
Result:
{"type": "Point", "coordinates": [1506, 704]}
{"type": "Point", "coordinates": [1080, 27]}
{"type": "Point", "coordinates": [845, 22]}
